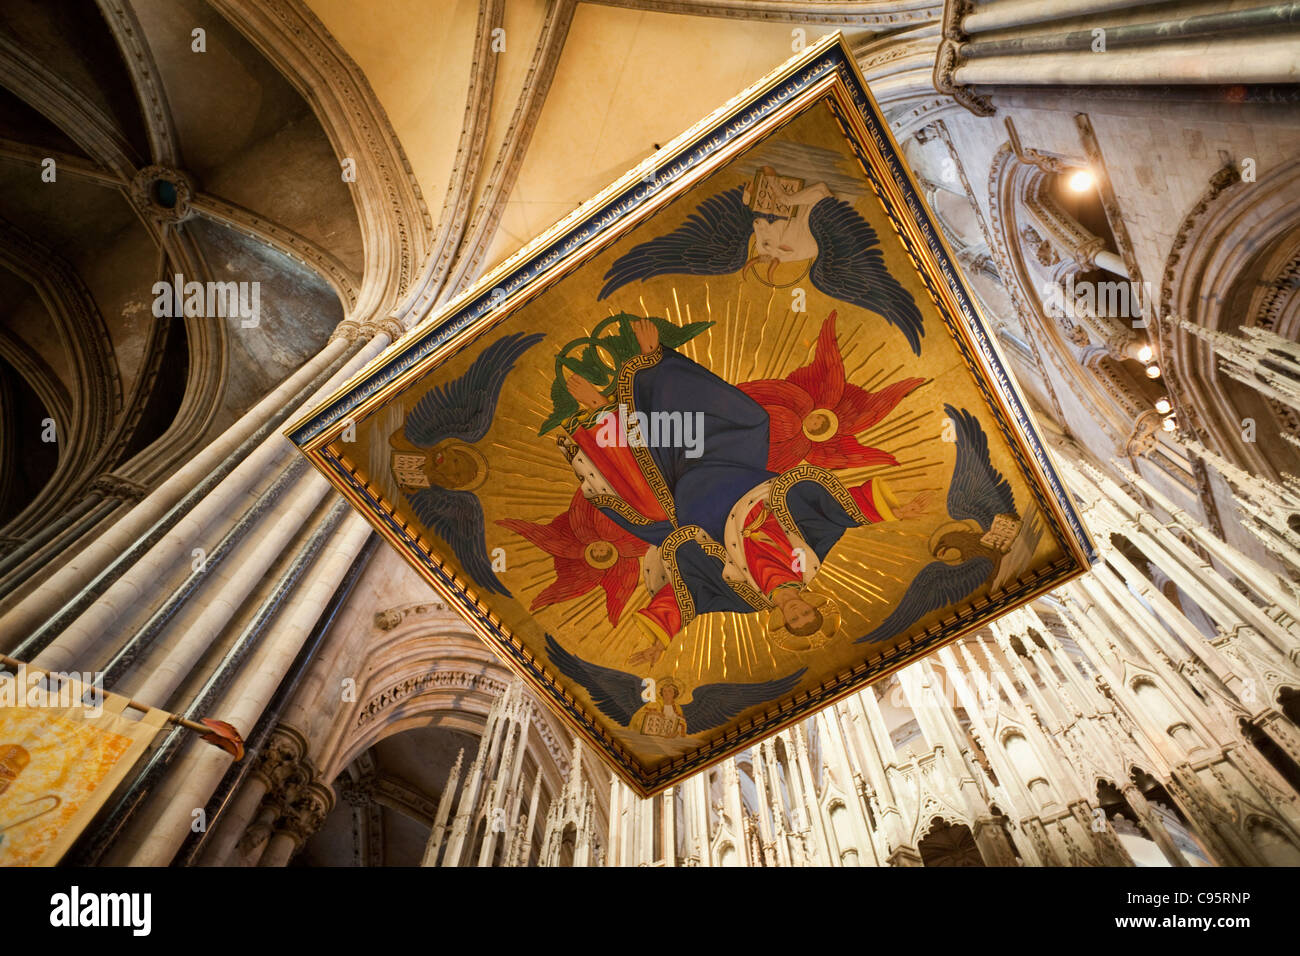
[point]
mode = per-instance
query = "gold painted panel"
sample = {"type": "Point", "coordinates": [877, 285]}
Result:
{"type": "Point", "coordinates": [742, 453]}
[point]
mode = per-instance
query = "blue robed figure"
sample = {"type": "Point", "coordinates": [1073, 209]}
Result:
{"type": "Point", "coordinates": [726, 533]}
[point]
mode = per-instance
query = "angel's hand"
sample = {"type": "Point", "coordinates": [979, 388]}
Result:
{"type": "Point", "coordinates": [916, 507]}
{"type": "Point", "coordinates": [647, 335]}
{"type": "Point", "coordinates": [649, 657]}
{"type": "Point", "coordinates": [587, 395]}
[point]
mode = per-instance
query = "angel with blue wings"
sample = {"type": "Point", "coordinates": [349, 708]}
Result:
{"type": "Point", "coordinates": [436, 464]}
{"type": "Point", "coordinates": [993, 552]}
{"type": "Point", "coordinates": [773, 220]}
{"type": "Point", "coordinates": [653, 708]}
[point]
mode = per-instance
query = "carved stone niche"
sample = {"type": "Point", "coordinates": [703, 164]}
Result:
{"type": "Point", "coordinates": [1041, 249]}
{"type": "Point", "coordinates": [1059, 242]}
{"type": "Point", "coordinates": [1144, 436]}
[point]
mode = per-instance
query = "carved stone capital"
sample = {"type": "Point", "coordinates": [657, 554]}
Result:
{"type": "Point", "coordinates": [1142, 438]}
{"type": "Point", "coordinates": [347, 330]}
{"type": "Point", "coordinates": [281, 757]}
{"type": "Point", "coordinates": [390, 326]}
{"type": "Point", "coordinates": [1086, 253]}
{"type": "Point", "coordinates": [945, 66]}
{"type": "Point", "coordinates": [306, 812]}
{"type": "Point", "coordinates": [296, 802]}
{"type": "Point", "coordinates": [114, 486]}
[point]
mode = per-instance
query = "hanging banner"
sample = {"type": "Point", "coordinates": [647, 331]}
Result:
{"type": "Point", "coordinates": [65, 745]}
{"type": "Point", "coordinates": [726, 444]}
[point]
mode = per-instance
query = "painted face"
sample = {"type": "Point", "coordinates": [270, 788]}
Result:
{"type": "Point", "coordinates": [799, 614]}
{"type": "Point", "coordinates": [667, 693]}
{"type": "Point", "coordinates": [452, 466]}
{"type": "Point", "coordinates": [768, 238]}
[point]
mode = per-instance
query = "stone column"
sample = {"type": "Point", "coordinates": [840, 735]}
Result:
{"type": "Point", "coordinates": [303, 818]}
{"type": "Point", "coordinates": [97, 624]}
{"type": "Point", "coordinates": [1187, 632]}
{"type": "Point", "coordinates": [1265, 582]}
{"type": "Point", "coordinates": [1198, 579]}
{"type": "Point", "coordinates": [62, 586]}
{"type": "Point", "coordinates": [524, 856]}
{"type": "Point", "coordinates": [1152, 823]}
{"type": "Point", "coordinates": [734, 809]}
{"type": "Point", "coordinates": [669, 827]}
{"type": "Point", "coordinates": [293, 803]}
{"type": "Point", "coordinates": [234, 822]}
{"type": "Point", "coordinates": [845, 778]}
{"type": "Point", "coordinates": [766, 807]}
{"type": "Point", "coordinates": [697, 793]}
{"type": "Point", "coordinates": [439, 830]}
{"type": "Point", "coordinates": [156, 835]}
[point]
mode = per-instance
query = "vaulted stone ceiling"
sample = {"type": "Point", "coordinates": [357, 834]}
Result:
{"type": "Point", "coordinates": [576, 94]}
{"type": "Point", "coordinates": [467, 142]}
{"type": "Point", "coordinates": [118, 96]}
{"type": "Point", "coordinates": [504, 133]}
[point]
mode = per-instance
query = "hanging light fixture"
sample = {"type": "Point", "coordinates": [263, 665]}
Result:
{"type": "Point", "coordinates": [1153, 371]}
{"type": "Point", "coordinates": [1146, 353]}
{"type": "Point", "coordinates": [1163, 406]}
{"type": "Point", "coordinates": [1081, 180]}
{"type": "Point", "coordinates": [1169, 424]}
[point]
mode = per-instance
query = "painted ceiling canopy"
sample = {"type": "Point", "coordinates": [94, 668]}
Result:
{"type": "Point", "coordinates": [726, 444]}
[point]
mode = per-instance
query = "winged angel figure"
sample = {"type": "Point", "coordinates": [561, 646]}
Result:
{"type": "Point", "coordinates": [969, 559]}
{"type": "Point", "coordinates": [622, 697]}
{"type": "Point", "coordinates": [446, 422]}
{"type": "Point", "coordinates": [786, 224]}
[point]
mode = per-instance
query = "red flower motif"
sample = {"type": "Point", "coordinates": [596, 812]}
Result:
{"type": "Point", "coordinates": [815, 413]}
{"type": "Point", "coordinates": [588, 550]}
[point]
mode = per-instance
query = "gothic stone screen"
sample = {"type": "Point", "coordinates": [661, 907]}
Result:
{"type": "Point", "coordinates": [725, 445]}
